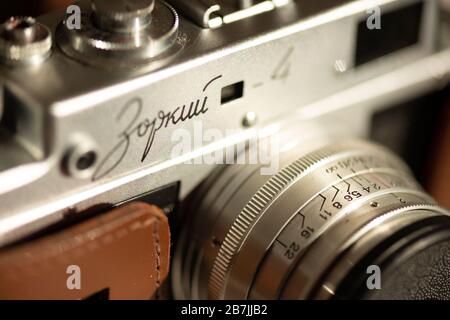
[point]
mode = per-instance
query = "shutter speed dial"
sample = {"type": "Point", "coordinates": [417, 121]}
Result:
{"type": "Point", "coordinates": [122, 15]}
{"type": "Point", "coordinates": [122, 33]}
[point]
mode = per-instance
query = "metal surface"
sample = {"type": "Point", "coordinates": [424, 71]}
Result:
{"type": "Point", "coordinates": [203, 12]}
{"type": "Point", "coordinates": [114, 32]}
{"type": "Point", "coordinates": [216, 13]}
{"type": "Point", "coordinates": [272, 237]}
{"type": "Point", "coordinates": [122, 16]}
{"type": "Point", "coordinates": [286, 57]}
{"type": "Point", "coordinates": [23, 41]}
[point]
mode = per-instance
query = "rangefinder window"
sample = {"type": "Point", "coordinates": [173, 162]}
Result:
{"type": "Point", "coordinates": [397, 30]}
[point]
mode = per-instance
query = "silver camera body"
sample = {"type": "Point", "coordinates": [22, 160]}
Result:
{"type": "Point", "coordinates": [91, 119]}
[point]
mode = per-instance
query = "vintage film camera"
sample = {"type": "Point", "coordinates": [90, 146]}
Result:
{"type": "Point", "coordinates": [107, 103]}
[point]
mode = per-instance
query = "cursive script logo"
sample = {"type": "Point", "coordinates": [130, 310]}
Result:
{"type": "Point", "coordinates": [146, 128]}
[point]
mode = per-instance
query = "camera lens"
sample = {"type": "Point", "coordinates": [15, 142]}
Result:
{"type": "Point", "coordinates": [337, 220]}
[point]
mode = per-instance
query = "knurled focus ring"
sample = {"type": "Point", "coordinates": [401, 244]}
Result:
{"type": "Point", "coordinates": [262, 198]}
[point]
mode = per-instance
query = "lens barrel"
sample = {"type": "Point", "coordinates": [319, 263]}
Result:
{"type": "Point", "coordinates": [321, 227]}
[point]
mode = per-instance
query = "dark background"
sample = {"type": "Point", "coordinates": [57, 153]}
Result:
{"type": "Point", "coordinates": [29, 7]}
